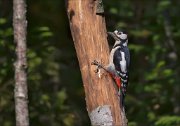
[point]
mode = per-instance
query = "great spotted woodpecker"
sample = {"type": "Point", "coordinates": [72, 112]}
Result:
{"type": "Point", "coordinates": [119, 61]}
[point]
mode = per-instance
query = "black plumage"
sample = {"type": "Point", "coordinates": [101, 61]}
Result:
{"type": "Point", "coordinates": [118, 57]}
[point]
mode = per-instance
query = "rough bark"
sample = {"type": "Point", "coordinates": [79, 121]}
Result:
{"type": "Point", "coordinates": [90, 39]}
{"type": "Point", "coordinates": [20, 91]}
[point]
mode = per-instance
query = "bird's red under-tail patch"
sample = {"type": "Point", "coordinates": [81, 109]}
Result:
{"type": "Point", "coordinates": [118, 81]}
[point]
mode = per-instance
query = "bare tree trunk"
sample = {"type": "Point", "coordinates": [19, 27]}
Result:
{"type": "Point", "coordinates": [90, 39]}
{"type": "Point", "coordinates": [20, 91]}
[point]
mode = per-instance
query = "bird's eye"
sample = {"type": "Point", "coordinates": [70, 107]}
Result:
{"type": "Point", "coordinates": [119, 33]}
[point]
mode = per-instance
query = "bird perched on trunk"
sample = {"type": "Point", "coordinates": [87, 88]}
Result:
{"type": "Point", "coordinates": [119, 61]}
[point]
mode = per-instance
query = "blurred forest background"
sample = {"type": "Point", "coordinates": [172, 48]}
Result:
{"type": "Point", "coordinates": [56, 95]}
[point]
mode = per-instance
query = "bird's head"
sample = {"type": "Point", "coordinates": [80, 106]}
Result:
{"type": "Point", "coordinates": [120, 36]}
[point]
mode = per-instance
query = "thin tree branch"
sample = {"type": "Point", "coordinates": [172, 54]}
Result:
{"type": "Point", "coordinates": [20, 91]}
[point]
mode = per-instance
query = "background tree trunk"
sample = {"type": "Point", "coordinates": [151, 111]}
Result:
{"type": "Point", "coordinates": [20, 91]}
{"type": "Point", "coordinates": [90, 39]}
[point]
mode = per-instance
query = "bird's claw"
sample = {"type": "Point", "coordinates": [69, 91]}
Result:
{"type": "Point", "coordinates": [96, 70]}
{"type": "Point", "coordinates": [98, 64]}
{"type": "Point", "coordinates": [95, 63]}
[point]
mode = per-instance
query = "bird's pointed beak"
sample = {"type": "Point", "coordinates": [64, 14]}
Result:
{"type": "Point", "coordinates": [112, 34]}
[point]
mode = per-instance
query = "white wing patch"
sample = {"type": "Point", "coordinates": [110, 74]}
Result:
{"type": "Point", "coordinates": [123, 63]}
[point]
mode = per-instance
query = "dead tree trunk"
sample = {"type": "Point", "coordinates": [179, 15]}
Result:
{"type": "Point", "coordinates": [90, 39]}
{"type": "Point", "coordinates": [20, 91]}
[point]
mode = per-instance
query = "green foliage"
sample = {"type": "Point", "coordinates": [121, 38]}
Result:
{"type": "Point", "coordinates": [44, 73]}
{"type": "Point", "coordinates": [6, 73]}
{"type": "Point", "coordinates": [163, 4]}
{"type": "Point", "coordinates": [2, 21]}
{"type": "Point", "coordinates": [136, 48]}
{"type": "Point", "coordinates": [168, 121]}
